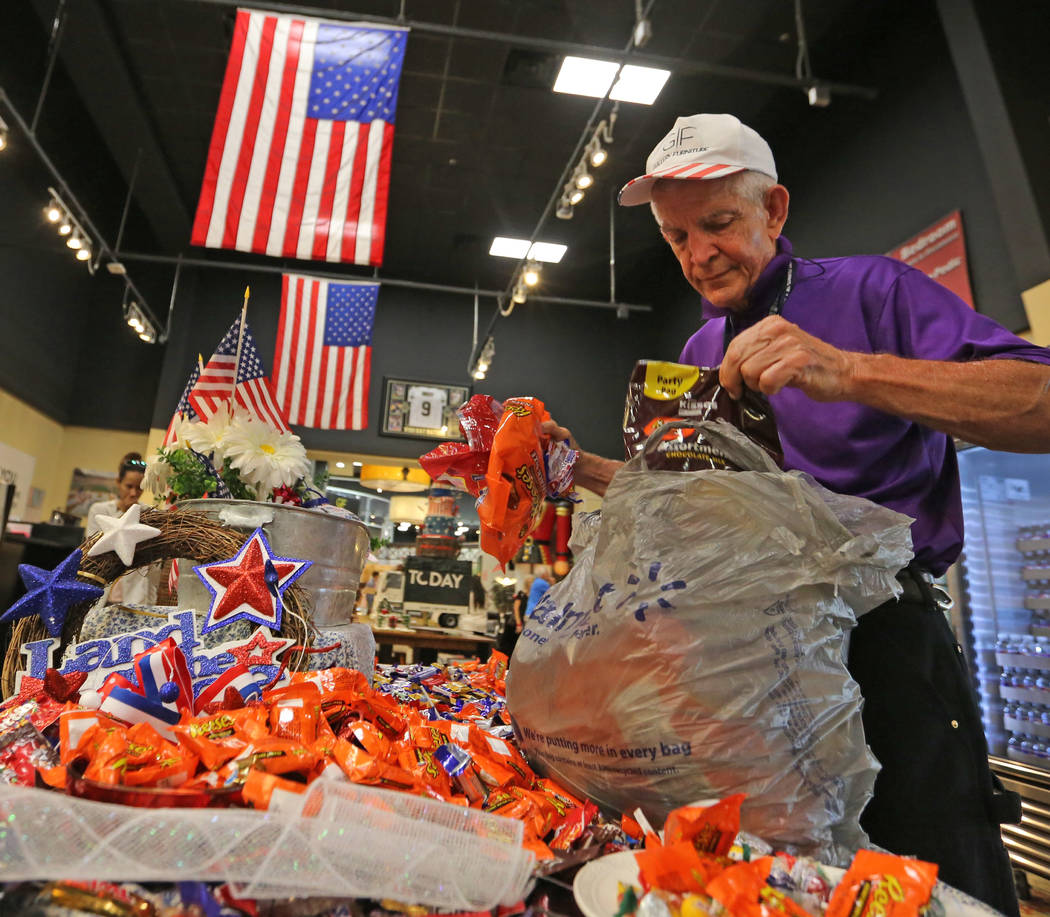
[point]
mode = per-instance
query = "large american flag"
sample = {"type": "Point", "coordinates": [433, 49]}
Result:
{"type": "Point", "coordinates": [299, 163]}
{"type": "Point", "coordinates": [215, 384]}
{"type": "Point", "coordinates": [323, 359]}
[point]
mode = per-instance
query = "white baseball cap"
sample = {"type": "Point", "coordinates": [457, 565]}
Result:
{"type": "Point", "coordinates": [701, 147]}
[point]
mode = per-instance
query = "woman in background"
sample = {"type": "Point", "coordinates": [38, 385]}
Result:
{"type": "Point", "coordinates": [137, 587]}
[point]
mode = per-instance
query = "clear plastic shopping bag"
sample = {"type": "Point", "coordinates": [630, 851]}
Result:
{"type": "Point", "coordinates": [696, 649]}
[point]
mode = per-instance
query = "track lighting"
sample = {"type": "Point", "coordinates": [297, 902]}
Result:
{"type": "Point", "coordinates": [74, 241]}
{"type": "Point", "coordinates": [3, 135]}
{"type": "Point", "coordinates": [531, 274]}
{"type": "Point", "coordinates": [484, 359]}
{"type": "Point", "coordinates": [595, 155]}
{"type": "Point", "coordinates": [84, 254]}
{"type": "Point", "coordinates": [65, 227]}
{"type": "Point", "coordinates": [520, 294]}
{"type": "Point", "coordinates": [52, 212]}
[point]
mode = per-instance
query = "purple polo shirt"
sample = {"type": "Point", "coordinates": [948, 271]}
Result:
{"type": "Point", "coordinates": [872, 304]}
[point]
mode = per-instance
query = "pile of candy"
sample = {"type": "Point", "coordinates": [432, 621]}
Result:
{"type": "Point", "coordinates": [437, 731]}
{"type": "Point", "coordinates": [508, 464]}
{"type": "Point", "coordinates": [701, 869]}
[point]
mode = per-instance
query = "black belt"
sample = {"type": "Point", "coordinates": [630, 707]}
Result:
{"type": "Point", "coordinates": [918, 586]}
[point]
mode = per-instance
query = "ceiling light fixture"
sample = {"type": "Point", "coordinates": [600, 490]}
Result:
{"type": "Point", "coordinates": [588, 77]}
{"type": "Point", "coordinates": [531, 274]}
{"type": "Point", "coordinates": [584, 76]}
{"type": "Point", "coordinates": [74, 241]}
{"type": "Point", "coordinates": [484, 360]}
{"type": "Point", "coordinates": [504, 247]}
{"type": "Point", "coordinates": [3, 135]}
{"type": "Point", "coordinates": [640, 85]}
{"type": "Point", "coordinates": [549, 252]}
{"type": "Point", "coordinates": [595, 154]}
{"type": "Point", "coordinates": [84, 254]}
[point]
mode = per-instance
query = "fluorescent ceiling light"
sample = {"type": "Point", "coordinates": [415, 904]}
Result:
{"type": "Point", "coordinates": [503, 247]}
{"type": "Point", "coordinates": [551, 252]}
{"type": "Point", "coordinates": [639, 84]}
{"type": "Point", "coordinates": [585, 77]}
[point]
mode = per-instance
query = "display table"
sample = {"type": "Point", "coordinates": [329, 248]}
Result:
{"type": "Point", "coordinates": [442, 641]}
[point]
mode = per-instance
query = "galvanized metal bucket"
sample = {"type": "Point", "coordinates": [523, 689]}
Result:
{"type": "Point", "coordinates": [338, 548]}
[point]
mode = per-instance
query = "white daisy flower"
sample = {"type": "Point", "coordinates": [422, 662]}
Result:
{"type": "Point", "coordinates": [207, 437]}
{"type": "Point", "coordinates": [155, 480]}
{"type": "Point", "coordinates": [264, 456]}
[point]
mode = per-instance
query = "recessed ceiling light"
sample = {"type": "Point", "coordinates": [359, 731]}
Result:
{"type": "Point", "coordinates": [551, 252]}
{"type": "Point", "coordinates": [585, 77]}
{"type": "Point", "coordinates": [340, 464]}
{"type": "Point", "coordinates": [639, 84]}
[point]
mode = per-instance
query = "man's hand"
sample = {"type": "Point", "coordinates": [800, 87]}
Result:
{"type": "Point", "coordinates": [774, 353]}
{"type": "Point", "coordinates": [591, 471]}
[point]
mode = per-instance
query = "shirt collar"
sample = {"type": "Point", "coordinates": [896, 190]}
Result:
{"type": "Point", "coordinates": [766, 287]}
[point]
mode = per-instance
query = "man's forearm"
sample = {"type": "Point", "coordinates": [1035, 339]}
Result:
{"type": "Point", "coordinates": [594, 472]}
{"type": "Point", "coordinates": [1001, 404]}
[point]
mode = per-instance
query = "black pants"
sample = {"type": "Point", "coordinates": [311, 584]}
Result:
{"type": "Point", "coordinates": [934, 797]}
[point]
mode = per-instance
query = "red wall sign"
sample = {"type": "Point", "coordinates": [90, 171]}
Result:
{"type": "Point", "coordinates": [939, 251]}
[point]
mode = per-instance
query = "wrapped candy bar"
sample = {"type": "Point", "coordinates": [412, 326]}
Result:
{"type": "Point", "coordinates": [883, 885]}
{"type": "Point", "coordinates": [509, 465]}
{"type": "Point", "coordinates": [464, 466]}
{"type": "Point", "coordinates": [22, 751]}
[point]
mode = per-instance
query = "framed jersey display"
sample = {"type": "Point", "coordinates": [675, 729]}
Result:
{"type": "Point", "coordinates": [422, 410]}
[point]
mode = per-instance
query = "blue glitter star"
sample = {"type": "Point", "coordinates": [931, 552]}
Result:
{"type": "Point", "coordinates": [51, 594]}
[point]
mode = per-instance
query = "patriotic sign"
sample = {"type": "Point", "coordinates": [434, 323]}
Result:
{"type": "Point", "coordinates": [253, 392]}
{"type": "Point", "coordinates": [299, 163]}
{"type": "Point", "coordinates": [323, 359]}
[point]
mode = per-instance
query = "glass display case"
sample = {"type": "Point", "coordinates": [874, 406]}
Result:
{"type": "Point", "coordinates": [1001, 587]}
{"type": "Point", "coordinates": [1003, 594]}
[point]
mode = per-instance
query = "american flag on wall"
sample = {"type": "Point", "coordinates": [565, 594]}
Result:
{"type": "Point", "coordinates": [322, 363]}
{"type": "Point", "coordinates": [299, 163]}
{"type": "Point", "coordinates": [215, 384]}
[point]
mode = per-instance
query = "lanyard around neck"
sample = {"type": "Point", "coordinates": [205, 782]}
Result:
{"type": "Point", "coordinates": [778, 306]}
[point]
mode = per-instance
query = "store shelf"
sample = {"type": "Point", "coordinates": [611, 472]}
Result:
{"type": "Point", "coordinates": [1040, 630]}
{"type": "Point", "coordinates": [1037, 602]}
{"type": "Point", "coordinates": [1023, 661]}
{"type": "Point", "coordinates": [1035, 574]}
{"type": "Point", "coordinates": [1026, 695]}
{"type": "Point", "coordinates": [1027, 727]}
{"type": "Point", "coordinates": [1040, 545]}
{"type": "Point", "coordinates": [1033, 760]}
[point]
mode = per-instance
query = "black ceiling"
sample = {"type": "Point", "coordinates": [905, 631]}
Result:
{"type": "Point", "coordinates": [480, 142]}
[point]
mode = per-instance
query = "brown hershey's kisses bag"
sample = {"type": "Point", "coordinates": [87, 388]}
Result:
{"type": "Point", "coordinates": [661, 392]}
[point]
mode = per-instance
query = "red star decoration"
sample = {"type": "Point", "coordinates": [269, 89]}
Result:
{"type": "Point", "coordinates": [249, 586]}
{"type": "Point", "coordinates": [54, 685]}
{"type": "Point", "coordinates": [268, 648]}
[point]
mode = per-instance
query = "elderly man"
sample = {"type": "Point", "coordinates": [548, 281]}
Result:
{"type": "Point", "coordinates": [871, 368]}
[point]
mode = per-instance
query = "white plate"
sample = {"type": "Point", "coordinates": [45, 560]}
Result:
{"type": "Point", "coordinates": [596, 885]}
